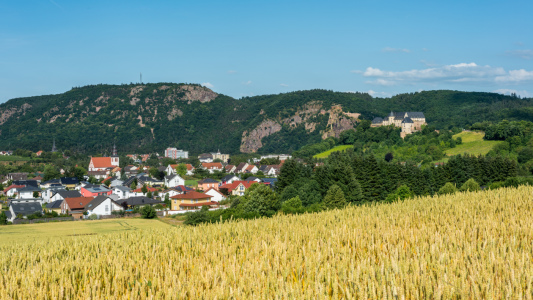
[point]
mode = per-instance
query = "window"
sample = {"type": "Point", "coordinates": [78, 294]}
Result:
{"type": "Point", "coordinates": [107, 208]}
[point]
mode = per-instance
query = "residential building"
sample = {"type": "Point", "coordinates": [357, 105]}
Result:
{"type": "Point", "coordinates": [138, 192]}
{"type": "Point", "coordinates": [54, 206]}
{"type": "Point", "coordinates": [278, 156]}
{"type": "Point", "coordinates": [23, 209]}
{"type": "Point", "coordinates": [174, 180]}
{"type": "Point", "coordinates": [230, 168]}
{"type": "Point", "coordinates": [229, 179]}
{"type": "Point", "coordinates": [69, 182]}
{"type": "Point", "coordinates": [27, 192]}
{"type": "Point", "coordinates": [208, 183]}
{"type": "Point", "coordinates": [190, 201]}
{"type": "Point", "coordinates": [102, 206]}
{"type": "Point", "coordinates": [205, 157]}
{"type": "Point", "coordinates": [138, 201]}
{"type": "Point", "coordinates": [75, 206]}
{"type": "Point", "coordinates": [63, 194]}
{"type": "Point", "coordinates": [237, 188]}
{"type": "Point", "coordinates": [215, 194]}
{"type": "Point", "coordinates": [212, 167]}
{"type": "Point", "coordinates": [123, 192]}
{"type": "Point", "coordinates": [175, 153]}
{"type": "Point", "coordinates": [95, 191]}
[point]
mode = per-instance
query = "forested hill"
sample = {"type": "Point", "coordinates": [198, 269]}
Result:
{"type": "Point", "coordinates": [151, 117]}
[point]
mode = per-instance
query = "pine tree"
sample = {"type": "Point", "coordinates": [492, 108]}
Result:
{"type": "Point", "coordinates": [334, 198]}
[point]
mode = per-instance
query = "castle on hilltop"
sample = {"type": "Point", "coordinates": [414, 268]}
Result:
{"type": "Point", "coordinates": [409, 122]}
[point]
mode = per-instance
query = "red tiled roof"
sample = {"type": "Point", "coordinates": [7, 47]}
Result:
{"type": "Point", "coordinates": [148, 189]}
{"type": "Point", "coordinates": [13, 187]}
{"type": "Point", "coordinates": [102, 162]}
{"type": "Point", "coordinates": [192, 195]}
{"type": "Point", "coordinates": [212, 165]}
{"type": "Point", "coordinates": [231, 186]}
{"type": "Point", "coordinates": [198, 204]}
{"type": "Point", "coordinates": [78, 202]}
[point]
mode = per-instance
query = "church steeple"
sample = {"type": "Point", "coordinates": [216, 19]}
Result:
{"type": "Point", "coordinates": [114, 149]}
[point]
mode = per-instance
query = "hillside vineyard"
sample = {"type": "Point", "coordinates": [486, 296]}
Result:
{"type": "Point", "coordinates": [466, 245]}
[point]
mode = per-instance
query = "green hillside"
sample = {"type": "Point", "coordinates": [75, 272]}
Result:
{"type": "Point", "coordinates": [473, 144]}
{"type": "Point", "coordinates": [152, 117]}
{"type": "Point", "coordinates": [336, 149]}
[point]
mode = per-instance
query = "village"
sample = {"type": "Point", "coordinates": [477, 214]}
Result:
{"type": "Point", "coordinates": [109, 191]}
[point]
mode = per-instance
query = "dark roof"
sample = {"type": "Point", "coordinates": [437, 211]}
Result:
{"type": "Point", "coordinates": [399, 115]}
{"type": "Point", "coordinates": [407, 120]}
{"type": "Point", "coordinates": [69, 194]}
{"type": "Point", "coordinates": [251, 178]}
{"type": "Point", "coordinates": [416, 114]}
{"type": "Point", "coordinates": [207, 180]}
{"type": "Point", "coordinates": [26, 182]}
{"type": "Point", "coordinates": [55, 204]}
{"type": "Point", "coordinates": [18, 176]}
{"type": "Point", "coordinates": [52, 181]}
{"type": "Point", "coordinates": [29, 189]}
{"type": "Point", "coordinates": [139, 200]}
{"type": "Point", "coordinates": [8, 214]}
{"type": "Point", "coordinates": [26, 208]}
{"type": "Point", "coordinates": [271, 181]}
{"type": "Point", "coordinates": [122, 188]}
{"type": "Point", "coordinates": [377, 120]}
{"type": "Point", "coordinates": [97, 201]}
{"type": "Point", "coordinates": [69, 180]}
{"type": "Point", "coordinates": [228, 177]}
{"type": "Point", "coordinates": [181, 188]}
{"type": "Point", "coordinates": [205, 155]}
{"type": "Point", "coordinates": [170, 177]}
{"type": "Point", "coordinates": [161, 168]}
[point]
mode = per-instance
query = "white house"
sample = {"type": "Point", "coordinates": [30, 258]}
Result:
{"type": "Point", "coordinates": [123, 192]}
{"type": "Point", "coordinates": [174, 180]}
{"type": "Point", "coordinates": [27, 192]}
{"type": "Point", "coordinates": [102, 206]}
{"type": "Point", "coordinates": [216, 195]}
{"type": "Point", "coordinates": [171, 192]}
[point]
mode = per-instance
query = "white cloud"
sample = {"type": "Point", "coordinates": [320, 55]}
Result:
{"type": "Point", "coordinates": [232, 72]}
{"type": "Point", "coordinates": [462, 72]}
{"type": "Point", "coordinates": [247, 82]}
{"type": "Point", "coordinates": [525, 53]}
{"type": "Point", "coordinates": [522, 93]}
{"type": "Point", "coordinates": [207, 85]}
{"type": "Point", "coordinates": [284, 85]}
{"type": "Point", "coordinates": [389, 49]}
{"type": "Point", "coordinates": [378, 94]}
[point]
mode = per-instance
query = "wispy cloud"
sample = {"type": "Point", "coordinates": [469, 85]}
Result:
{"type": "Point", "coordinates": [522, 93]}
{"type": "Point", "coordinates": [284, 85]}
{"type": "Point", "coordinates": [378, 94]}
{"type": "Point", "coordinates": [458, 73]}
{"type": "Point", "coordinates": [232, 72]}
{"type": "Point", "coordinates": [525, 53]}
{"type": "Point", "coordinates": [207, 85]}
{"type": "Point", "coordinates": [57, 5]}
{"type": "Point", "coordinates": [389, 49]}
{"type": "Point", "coordinates": [247, 82]}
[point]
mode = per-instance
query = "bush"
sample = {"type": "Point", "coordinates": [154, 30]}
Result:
{"type": "Point", "coordinates": [148, 212]}
{"type": "Point", "coordinates": [401, 193]}
{"type": "Point", "coordinates": [448, 188]}
{"type": "Point", "coordinates": [293, 206]}
{"type": "Point", "coordinates": [470, 185]}
{"type": "Point", "coordinates": [198, 217]}
{"type": "Point", "coordinates": [93, 217]}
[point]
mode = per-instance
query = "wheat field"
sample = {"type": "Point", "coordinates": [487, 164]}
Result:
{"type": "Point", "coordinates": [467, 245]}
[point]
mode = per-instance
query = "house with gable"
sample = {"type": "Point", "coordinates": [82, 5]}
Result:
{"type": "Point", "coordinates": [95, 191]}
{"type": "Point", "coordinates": [174, 180]}
{"type": "Point", "coordinates": [212, 167]}
{"type": "Point", "coordinates": [122, 192]}
{"type": "Point", "coordinates": [208, 183]}
{"type": "Point", "coordinates": [104, 163]}
{"type": "Point", "coordinates": [215, 194]}
{"type": "Point", "coordinates": [229, 179]}
{"type": "Point", "coordinates": [75, 206]}
{"type": "Point", "coordinates": [102, 206]}
{"type": "Point", "coordinates": [237, 188]}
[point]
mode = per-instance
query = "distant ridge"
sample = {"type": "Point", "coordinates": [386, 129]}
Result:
{"type": "Point", "coordinates": [150, 117]}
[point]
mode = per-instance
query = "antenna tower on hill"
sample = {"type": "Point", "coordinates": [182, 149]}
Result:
{"type": "Point", "coordinates": [141, 78]}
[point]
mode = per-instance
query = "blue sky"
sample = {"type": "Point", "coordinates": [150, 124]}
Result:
{"type": "Point", "coordinates": [246, 48]}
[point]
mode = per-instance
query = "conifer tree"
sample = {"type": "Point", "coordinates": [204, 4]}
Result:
{"type": "Point", "coordinates": [334, 198]}
{"type": "Point", "coordinates": [470, 186]}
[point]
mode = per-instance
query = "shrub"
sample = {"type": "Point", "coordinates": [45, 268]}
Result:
{"type": "Point", "coordinates": [470, 185]}
{"type": "Point", "coordinates": [93, 217]}
{"type": "Point", "coordinates": [448, 188]}
{"type": "Point", "coordinates": [292, 206]}
{"type": "Point", "coordinates": [148, 212]}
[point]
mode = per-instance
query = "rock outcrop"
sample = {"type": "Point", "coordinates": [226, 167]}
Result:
{"type": "Point", "coordinates": [252, 141]}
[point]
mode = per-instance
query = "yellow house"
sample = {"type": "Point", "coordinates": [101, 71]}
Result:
{"type": "Point", "coordinates": [190, 200]}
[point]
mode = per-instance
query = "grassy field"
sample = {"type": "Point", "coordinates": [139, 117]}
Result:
{"type": "Point", "coordinates": [473, 143]}
{"type": "Point", "coordinates": [461, 246]}
{"type": "Point", "coordinates": [327, 153]}
{"type": "Point", "coordinates": [29, 233]}
{"type": "Point", "coordinates": [191, 182]}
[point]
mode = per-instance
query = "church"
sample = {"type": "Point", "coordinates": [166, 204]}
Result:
{"type": "Point", "coordinates": [104, 163]}
{"type": "Point", "coordinates": [409, 122]}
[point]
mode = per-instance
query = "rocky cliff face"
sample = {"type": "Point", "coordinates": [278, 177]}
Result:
{"type": "Point", "coordinates": [338, 121]}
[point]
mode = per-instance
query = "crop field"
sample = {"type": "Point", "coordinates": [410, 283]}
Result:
{"type": "Point", "coordinates": [466, 245]}
{"type": "Point", "coordinates": [473, 143]}
{"type": "Point", "coordinates": [327, 153]}
{"type": "Point", "coordinates": [30, 233]}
